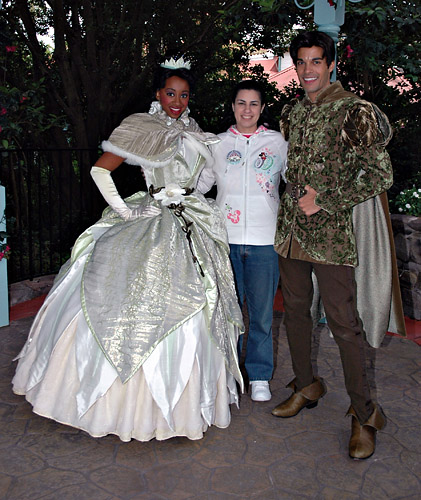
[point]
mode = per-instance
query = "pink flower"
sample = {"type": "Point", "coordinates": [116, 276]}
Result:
{"type": "Point", "coordinates": [1, 128]}
{"type": "Point", "coordinates": [3, 111]}
{"type": "Point", "coordinates": [349, 51]}
{"type": "Point", "coordinates": [10, 48]}
{"type": "Point", "coordinates": [5, 254]}
{"type": "Point", "coordinates": [23, 98]}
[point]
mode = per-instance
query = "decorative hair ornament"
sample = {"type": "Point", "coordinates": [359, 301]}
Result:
{"type": "Point", "coordinates": [176, 64]}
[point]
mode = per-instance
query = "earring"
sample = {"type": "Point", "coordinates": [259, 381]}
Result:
{"type": "Point", "coordinates": [155, 107]}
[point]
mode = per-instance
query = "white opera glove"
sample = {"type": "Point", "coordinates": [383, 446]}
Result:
{"type": "Point", "coordinates": [103, 180]}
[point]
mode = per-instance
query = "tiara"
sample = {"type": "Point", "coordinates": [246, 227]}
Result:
{"type": "Point", "coordinates": [176, 64]}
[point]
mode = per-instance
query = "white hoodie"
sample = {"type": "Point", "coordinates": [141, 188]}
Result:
{"type": "Point", "coordinates": [247, 173]}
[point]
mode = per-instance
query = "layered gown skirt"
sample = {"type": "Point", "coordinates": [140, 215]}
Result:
{"type": "Point", "coordinates": [138, 335]}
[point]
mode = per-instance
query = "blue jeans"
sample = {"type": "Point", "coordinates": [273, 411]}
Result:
{"type": "Point", "coordinates": [256, 273]}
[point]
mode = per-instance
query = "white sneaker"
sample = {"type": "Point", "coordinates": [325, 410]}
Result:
{"type": "Point", "coordinates": [260, 390]}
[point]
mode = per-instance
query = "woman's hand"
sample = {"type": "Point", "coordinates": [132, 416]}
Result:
{"type": "Point", "coordinates": [148, 211]}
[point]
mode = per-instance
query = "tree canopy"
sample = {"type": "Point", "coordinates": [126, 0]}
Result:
{"type": "Point", "coordinates": [379, 42]}
{"type": "Point", "coordinates": [104, 52]}
{"type": "Point", "coordinates": [385, 37]}
{"type": "Point", "coordinates": [71, 70]}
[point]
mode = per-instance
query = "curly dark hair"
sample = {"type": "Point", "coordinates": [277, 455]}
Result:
{"type": "Point", "coordinates": [162, 75]}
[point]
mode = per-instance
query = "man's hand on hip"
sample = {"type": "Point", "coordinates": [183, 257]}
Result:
{"type": "Point", "coordinates": [306, 202]}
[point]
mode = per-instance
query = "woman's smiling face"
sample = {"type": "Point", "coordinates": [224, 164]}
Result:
{"type": "Point", "coordinates": [174, 96]}
{"type": "Point", "coordinates": [247, 108]}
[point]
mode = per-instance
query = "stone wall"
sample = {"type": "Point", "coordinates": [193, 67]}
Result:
{"type": "Point", "coordinates": [407, 236]}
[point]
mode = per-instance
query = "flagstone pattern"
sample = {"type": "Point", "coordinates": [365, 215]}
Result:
{"type": "Point", "coordinates": [257, 457]}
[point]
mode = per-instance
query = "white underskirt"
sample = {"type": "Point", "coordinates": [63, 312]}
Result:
{"type": "Point", "coordinates": [181, 389]}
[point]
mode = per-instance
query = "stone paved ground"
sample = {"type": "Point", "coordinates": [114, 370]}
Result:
{"type": "Point", "coordinates": [257, 457]}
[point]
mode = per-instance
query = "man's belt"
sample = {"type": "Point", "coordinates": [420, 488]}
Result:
{"type": "Point", "coordinates": [296, 191]}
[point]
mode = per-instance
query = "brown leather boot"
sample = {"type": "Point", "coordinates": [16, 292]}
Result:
{"type": "Point", "coordinates": [363, 436]}
{"type": "Point", "coordinates": [305, 398]}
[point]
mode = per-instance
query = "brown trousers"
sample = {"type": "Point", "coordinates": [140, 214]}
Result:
{"type": "Point", "coordinates": [338, 293]}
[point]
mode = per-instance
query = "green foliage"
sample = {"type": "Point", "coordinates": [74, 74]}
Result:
{"type": "Point", "coordinates": [100, 69]}
{"type": "Point", "coordinates": [23, 115]}
{"type": "Point", "coordinates": [385, 40]}
{"type": "Point", "coordinates": [408, 201]}
{"type": "Point", "coordinates": [101, 66]}
{"type": "Point", "coordinates": [4, 247]}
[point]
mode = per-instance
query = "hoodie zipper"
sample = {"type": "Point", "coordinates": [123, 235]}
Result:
{"type": "Point", "coordinates": [246, 189]}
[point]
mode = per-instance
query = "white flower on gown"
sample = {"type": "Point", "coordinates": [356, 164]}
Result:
{"type": "Point", "coordinates": [172, 193]}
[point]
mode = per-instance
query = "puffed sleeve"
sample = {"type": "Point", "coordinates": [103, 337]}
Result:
{"type": "Point", "coordinates": [365, 169]}
{"type": "Point", "coordinates": [365, 125]}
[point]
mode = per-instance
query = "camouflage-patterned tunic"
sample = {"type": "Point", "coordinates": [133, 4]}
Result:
{"type": "Point", "coordinates": [336, 145]}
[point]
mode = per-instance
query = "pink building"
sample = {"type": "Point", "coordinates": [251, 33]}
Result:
{"type": "Point", "coordinates": [280, 69]}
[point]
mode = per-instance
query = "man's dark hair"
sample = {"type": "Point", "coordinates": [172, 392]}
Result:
{"type": "Point", "coordinates": [313, 39]}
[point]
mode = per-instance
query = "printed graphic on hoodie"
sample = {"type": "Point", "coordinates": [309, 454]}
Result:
{"type": "Point", "coordinates": [263, 166]}
{"type": "Point", "coordinates": [233, 157]}
{"type": "Point", "coordinates": [232, 215]}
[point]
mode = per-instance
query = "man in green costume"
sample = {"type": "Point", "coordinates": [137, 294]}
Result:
{"type": "Point", "coordinates": [336, 160]}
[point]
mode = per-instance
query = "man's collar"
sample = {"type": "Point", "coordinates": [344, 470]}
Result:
{"type": "Point", "coordinates": [332, 93]}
